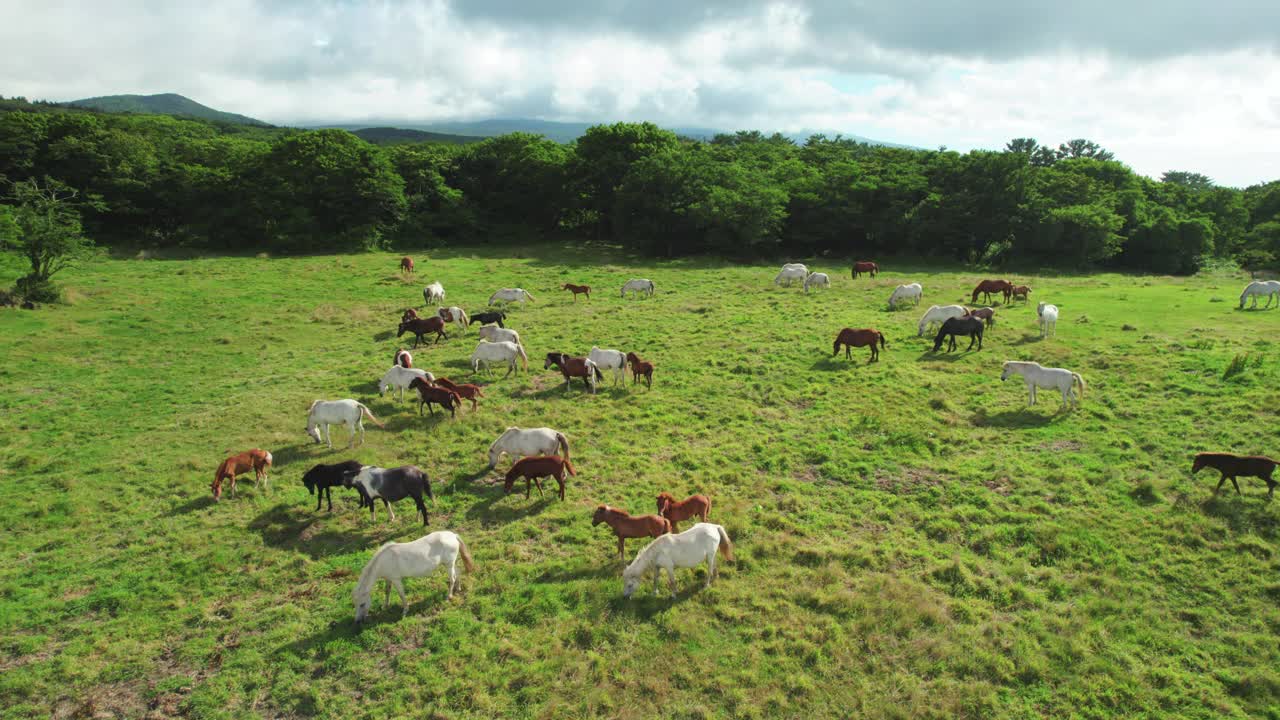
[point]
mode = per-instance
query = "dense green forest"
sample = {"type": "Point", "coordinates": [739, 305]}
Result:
{"type": "Point", "coordinates": [162, 182]}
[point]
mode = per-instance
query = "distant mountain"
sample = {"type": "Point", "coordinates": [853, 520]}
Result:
{"type": "Point", "coordinates": [163, 104]}
{"type": "Point", "coordinates": [399, 136]}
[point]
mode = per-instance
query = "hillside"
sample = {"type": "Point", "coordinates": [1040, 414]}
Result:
{"type": "Point", "coordinates": [398, 136]}
{"type": "Point", "coordinates": [163, 104]}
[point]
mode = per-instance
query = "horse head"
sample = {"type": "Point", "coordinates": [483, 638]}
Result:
{"type": "Point", "coordinates": [1198, 464]}
{"type": "Point", "coordinates": [553, 358]}
{"type": "Point", "coordinates": [598, 517]}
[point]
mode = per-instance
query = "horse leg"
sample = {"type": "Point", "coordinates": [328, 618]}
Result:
{"type": "Point", "coordinates": [1220, 481]}
{"type": "Point", "coordinates": [671, 580]}
{"type": "Point", "coordinates": [404, 602]}
{"type": "Point", "coordinates": [329, 496]}
{"type": "Point", "coordinates": [453, 578]}
{"type": "Point", "coordinates": [560, 480]}
{"type": "Point", "coordinates": [327, 439]}
{"type": "Point", "coordinates": [622, 551]}
{"type": "Point", "coordinates": [1235, 484]}
{"type": "Point", "coordinates": [712, 570]}
{"type": "Point", "coordinates": [390, 510]}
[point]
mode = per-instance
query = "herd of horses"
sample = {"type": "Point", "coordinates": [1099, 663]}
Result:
{"type": "Point", "coordinates": [540, 453]}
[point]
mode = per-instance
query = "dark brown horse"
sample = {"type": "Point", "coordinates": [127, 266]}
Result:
{"type": "Point", "coordinates": [851, 338]}
{"type": "Point", "coordinates": [422, 326]}
{"type": "Point", "coordinates": [406, 264]}
{"type": "Point", "coordinates": [467, 391]}
{"type": "Point", "coordinates": [865, 266]}
{"type": "Point", "coordinates": [628, 526]}
{"type": "Point", "coordinates": [967, 325]}
{"type": "Point", "coordinates": [1020, 292]}
{"type": "Point", "coordinates": [693, 506]}
{"type": "Point", "coordinates": [640, 367]}
{"type": "Point", "coordinates": [572, 367]}
{"type": "Point", "coordinates": [986, 287]}
{"type": "Point", "coordinates": [534, 468]}
{"type": "Point", "coordinates": [1233, 466]}
{"type": "Point", "coordinates": [578, 289]}
{"type": "Point", "coordinates": [987, 314]}
{"type": "Point", "coordinates": [430, 395]}
{"type": "Point", "coordinates": [256, 460]}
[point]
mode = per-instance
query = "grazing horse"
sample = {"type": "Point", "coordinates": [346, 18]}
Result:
{"type": "Point", "coordinates": [504, 352]}
{"type": "Point", "coordinates": [986, 287]}
{"type": "Point", "coordinates": [493, 333]}
{"type": "Point", "coordinates": [638, 286]}
{"type": "Point", "coordinates": [394, 485]}
{"type": "Point", "coordinates": [401, 379]}
{"type": "Point", "coordinates": [524, 442]}
{"type": "Point", "coordinates": [939, 314]}
{"type": "Point", "coordinates": [534, 468]}
{"type": "Point", "coordinates": [511, 295]}
{"type": "Point", "coordinates": [484, 318]}
{"type": "Point", "coordinates": [865, 266]}
{"type": "Point", "coordinates": [966, 325]}
{"type": "Point", "coordinates": [1020, 292]}
{"type": "Point", "coordinates": [324, 478]}
{"type": "Point", "coordinates": [613, 360]}
{"type": "Point", "coordinates": [910, 291]}
{"type": "Point", "coordinates": [406, 264]}
{"type": "Point", "coordinates": [817, 280]}
{"type": "Point", "coordinates": [698, 506]}
{"type": "Point", "coordinates": [433, 294]}
{"type": "Point", "coordinates": [629, 526]}
{"type": "Point", "coordinates": [866, 337]}
{"type": "Point", "coordinates": [640, 367]}
{"type": "Point", "coordinates": [689, 549]}
{"type": "Point", "coordinates": [422, 326]}
{"type": "Point", "coordinates": [466, 391]}
{"type": "Point", "coordinates": [338, 412]}
{"type": "Point", "coordinates": [403, 358]}
{"type": "Point", "coordinates": [791, 272]}
{"type": "Point", "coordinates": [987, 314]}
{"type": "Point", "coordinates": [455, 315]}
{"type": "Point", "coordinates": [1048, 315]}
{"type": "Point", "coordinates": [572, 367]}
{"type": "Point", "coordinates": [1036, 375]}
{"type": "Point", "coordinates": [259, 461]}
{"type": "Point", "coordinates": [395, 561]}
{"type": "Point", "coordinates": [1233, 466]}
{"type": "Point", "coordinates": [1258, 288]}
{"type": "Point", "coordinates": [430, 395]}
{"type": "Point", "coordinates": [577, 290]}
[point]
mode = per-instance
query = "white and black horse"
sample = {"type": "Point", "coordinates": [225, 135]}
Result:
{"type": "Point", "coordinates": [392, 486]}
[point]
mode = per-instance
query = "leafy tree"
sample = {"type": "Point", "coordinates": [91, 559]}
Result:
{"type": "Point", "coordinates": [1081, 148]}
{"type": "Point", "coordinates": [1189, 180]}
{"type": "Point", "coordinates": [44, 227]}
{"type": "Point", "coordinates": [602, 158]}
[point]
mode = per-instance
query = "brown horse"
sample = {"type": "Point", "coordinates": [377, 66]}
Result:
{"type": "Point", "coordinates": [1232, 466]}
{"type": "Point", "coordinates": [403, 358]}
{"type": "Point", "coordinates": [629, 526]}
{"type": "Point", "coordinates": [583, 289]}
{"type": "Point", "coordinates": [986, 313]}
{"type": "Point", "coordinates": [422, 326]}
{"type": "Point", "coordinates": [406, 264]}
{"type": "Point", "coordinates": [256, 460]}
{"type": "Point", "coordinates": [430, 395]}
{"type": "Point", "coordinates": [572, 367]}
{"type": "Point", "coordinates": [865, 266]}
{"type": "Point", "coordinates": [986, 287]}
{"type": "Point", "coordinates": [693, 506]}
{"type": "Point", "coordinates": [467, 390]}
{"type": "Point", "coordinates": [851, 338]}
{"type": "Point", "coordinates": [640, 367]}
{"type": "Point", "coordinates": [408, 315]}
{"type": "Point", "coordinates": [1020, 292]}
{"type": "Point", "coordinates": [534, 468]}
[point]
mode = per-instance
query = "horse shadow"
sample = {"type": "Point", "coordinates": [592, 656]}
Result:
{"type": "Point", "coordinates": [943, 356]}
{"type": "Point", "coordinates": [289, 454]}
{"type": "Point", "coordinates": [488, 495]}
{"type": "Point", "coordinates": [1243, 514]}
{"type": "Point", "coordinates": [833, 364]}
{"type": "Point", "coordinates": [384, 335]}
{"type": "Point", "coordinates": [1027, 338]}
{"type": "Point", "coordinates": [197, 503]}
{"type": "Point", "coordinates": [282, 527]}
{"type": "Point", "coordinates": [1022, 418]}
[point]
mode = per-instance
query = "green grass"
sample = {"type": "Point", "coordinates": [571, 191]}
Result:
{"type": "Point", "coordinates": [912, 541]}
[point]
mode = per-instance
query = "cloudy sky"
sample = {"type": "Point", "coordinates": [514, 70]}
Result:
{"type": "Point", "coordinates": [1175, 84]}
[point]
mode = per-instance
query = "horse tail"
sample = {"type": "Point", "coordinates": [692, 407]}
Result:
{"type": "Point", "coordinates": [466, 556]}
{"type": "Point", "coordinates": [882, 341]}
{"type": "Point", "coordinates": [269, 458]}
{"type": "Point", "coordinates": [1080, 379]}
{"type": "Point", "coordinates": [569, 466]}
{"type": "Point", "coordinates": [564, 443]}
{"type": "Point", "coordinates": [726, 545]}
{"type": "Point", "coordinates": [524, 359]}
{"type": "Point", "coordinates": [369, 414]}
{"type": "Point", "coordinates": [465, 320]}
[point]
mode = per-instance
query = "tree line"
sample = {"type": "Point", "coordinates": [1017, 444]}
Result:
{"type": "Point", "coordinates": [158, 181]}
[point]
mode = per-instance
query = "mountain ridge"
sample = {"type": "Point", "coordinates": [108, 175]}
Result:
{"type": "Point", "coordinates": [162, 104]}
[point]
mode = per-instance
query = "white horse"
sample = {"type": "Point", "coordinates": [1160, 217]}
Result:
{"type": "Point", "coordinates": [688, 549]}
{"type": "Point", "coordinates": [1258, 288]}
{"type": "Point", "coordinates": [939, 314]}
{"type": "Point", "coordinates": [816, 280]}
{"type": "Point", "coordinates": [791, 272]}
{"type": "Point", "coordinates": [639, 287]}
{"type": "Point", "coordinates": [493, 333]}
{"type": "Point", "coordinates": [399, 378]}
{"type": "Point", "coordinates": [498, 352]}
{"type": "Point", "coordinates": [614, 360]}
{"type": "Point", "coordinates": [433, 293]}
{"type": "Point", "coordinates": [1037, 375]}
{"type": "Point", "coordinates": [395, 561]}
{"type": "Point", "coordinates": [511, 295]}
{"type": "Point", "coordinates": [910, 291]}
{"type": "Point", "coordinates": [524, 442]}
{"type": "Point", "coordinates": [1048, 315]}
{"type": "Point", "coordinates": [455, 314]}
{"type": "Point", "coordinates": [324, 413]}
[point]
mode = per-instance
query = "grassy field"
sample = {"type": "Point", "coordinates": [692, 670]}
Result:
{"type": "Point", "coordinates": [912, 541]}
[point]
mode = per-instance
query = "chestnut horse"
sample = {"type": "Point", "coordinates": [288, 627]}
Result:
{"type": "Point", "coordinates": [640, 367]}
{"type": "Point", "coordinates": [986, 287]}
{"type": "Point", "coordinates": [629, 526]}
{"type": "Point", "coordinates": [422, 326]}
{"type": "Point", "coordinates": [694, 505]}
{"type": "Point", "coordinates": [572, 367]}
{"type": "Point", "coordinates": [851, 338]}
{"type": "Point", "coordinates": [467, 390]}
{"type": "Point", "coordinates": [256, 460]}
{"type": "Point", "coordinates": [533, 469]}
{"type": "Point", "coordinates": [406, 264]}
{"type": "Point", "coordinates": [986, 313]}
{"type": "Point", "coordinates": [1231, 466]}
{"type": "Point", "coordinates": [1020, 292]}
{"type": "Point", "coordinates": [578, 289]}
{"type": "Point", "coordinates": [865, 266]}
{"type": "Point", "coordinates": [430, 395]}
{"type": "Point", "coordinates": [408, 315]}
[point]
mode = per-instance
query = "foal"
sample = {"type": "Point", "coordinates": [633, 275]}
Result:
{"type": "Point", "coordinates": [986, 313]}
{"type": "Point", "coordinates": [467, 390]}
{"type": "Point", "coordinates": [851, 338]}
{"type": "Point", "coordinates": [577, 290]}
{"type": "Point", "coordinates": [1020, 292]}
{"type": "Point", "coordinates": [1232, 466]}
{"type": "Point", "coordinates": [640, 367]}
{"type": "Point", "coordinates": [693, 506]}
{"type": "Point", "coordinates": [256, 460]}
{"type": "Point", "coordinates": [629, 526]}
{"type": "Point", "coordinates": [533, 469]}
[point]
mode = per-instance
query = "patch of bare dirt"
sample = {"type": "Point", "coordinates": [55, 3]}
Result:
{"type": "Point", "coordinates": [907, 480]}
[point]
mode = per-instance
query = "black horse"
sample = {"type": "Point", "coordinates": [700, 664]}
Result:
{"type": "Point", "coordinates": [967, 325]}
{"type": "Point", "coordinates": [392, 486]}
{"type": "Point", "coordinates": [484, 318]}
{"type": "Point", "coordinates": [325, 477]}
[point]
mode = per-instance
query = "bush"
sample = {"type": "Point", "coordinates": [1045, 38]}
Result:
{"type": "Point", "coordinates": [37, 290]}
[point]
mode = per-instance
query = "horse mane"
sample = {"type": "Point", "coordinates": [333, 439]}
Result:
{"type": "Point", "coordinates": [366, 581]}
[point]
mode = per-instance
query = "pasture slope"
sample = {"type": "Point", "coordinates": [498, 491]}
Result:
{"type": "Point", "coordinates": [911, 541]}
